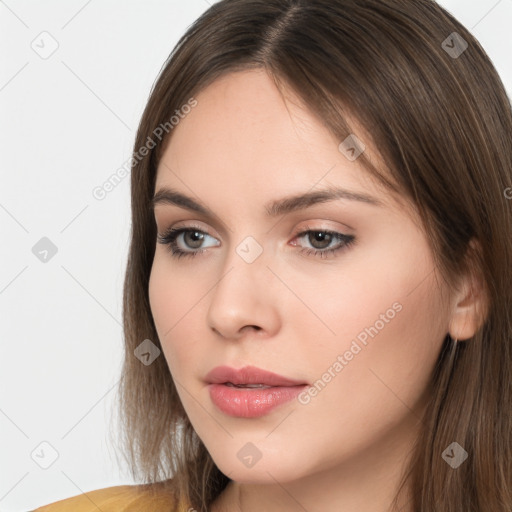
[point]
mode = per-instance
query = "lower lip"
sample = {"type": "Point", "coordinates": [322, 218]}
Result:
{"type": "Point", "coordinates": [251, 402]}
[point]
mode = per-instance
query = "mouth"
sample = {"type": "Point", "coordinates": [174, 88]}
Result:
{"type": "Point", "coordinates": [247, 386]}
{"type": "Point", "coordinates": [250, 392]}
{"type": "Point", "coordinates": [249, 376]}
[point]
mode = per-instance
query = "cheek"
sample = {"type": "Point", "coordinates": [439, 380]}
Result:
{"type": "Point", "coordinates": [368, 287]}
{"type": "Point", "coordinates": [175, 300]}
{"type": "Point", "coordinates": [388, 323]}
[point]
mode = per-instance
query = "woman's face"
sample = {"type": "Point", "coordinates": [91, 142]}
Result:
{"type": "Point", "coordinates": [359, 324]}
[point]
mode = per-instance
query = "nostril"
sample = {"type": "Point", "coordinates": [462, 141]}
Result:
{"type": "Point", "coordinates": [255, 327]}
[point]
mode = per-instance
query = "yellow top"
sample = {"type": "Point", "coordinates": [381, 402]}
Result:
{"type": "Point", "coordinates": [123, 498]}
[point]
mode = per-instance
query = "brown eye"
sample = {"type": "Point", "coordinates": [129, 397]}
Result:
{"type": "Point", "coordinates": [320, 240]}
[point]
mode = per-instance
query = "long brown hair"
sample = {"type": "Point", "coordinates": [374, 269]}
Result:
{"type": "Point", "coordinates": [438, 114]}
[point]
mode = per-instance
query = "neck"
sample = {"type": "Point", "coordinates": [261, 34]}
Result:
{"type": "Point", "coordinates": [367, 482]}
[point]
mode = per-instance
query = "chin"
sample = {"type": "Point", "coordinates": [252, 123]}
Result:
{"type": "Point", "coordinates": [265, 471]}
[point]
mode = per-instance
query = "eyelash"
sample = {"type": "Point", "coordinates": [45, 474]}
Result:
{"type": "Point", "coordinates": [170, 236]}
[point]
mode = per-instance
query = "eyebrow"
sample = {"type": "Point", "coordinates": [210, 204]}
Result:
{"type": "Point", "coordinates": [273, 208]}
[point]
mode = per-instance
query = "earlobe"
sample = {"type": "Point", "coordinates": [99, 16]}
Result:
{"type": "Point", "coordinates": [470, 302]}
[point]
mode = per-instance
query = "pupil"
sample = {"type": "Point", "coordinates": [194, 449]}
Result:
{"type": "Point", "coordinates": [192, 235]}
{"type": "Point", "coordinates": [323, 237]}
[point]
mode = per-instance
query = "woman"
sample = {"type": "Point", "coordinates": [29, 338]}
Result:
{"type": "Point", "coordinates": [317, 304]}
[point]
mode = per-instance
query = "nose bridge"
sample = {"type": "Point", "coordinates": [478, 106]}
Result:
{"type": "Point", "coordinates": [241, 295]}
{"type": "Point", "coordinates": [244, 267]}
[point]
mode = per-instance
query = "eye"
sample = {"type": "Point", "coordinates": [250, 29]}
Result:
{"type": "Point", "coordinates": [192, 237]}
{"type": "Point", "coordinates": [321, 241]}
{"type": "Point", "coordinates": [178, 240]}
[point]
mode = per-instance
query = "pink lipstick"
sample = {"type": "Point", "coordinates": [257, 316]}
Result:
{"type": "Point", "coordinates": [250, 392]}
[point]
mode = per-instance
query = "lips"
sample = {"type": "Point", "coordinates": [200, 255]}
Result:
{"type": "Point", "coordinates": [249, 376]}
{"type": "Point", "coordinates": [250, 392]}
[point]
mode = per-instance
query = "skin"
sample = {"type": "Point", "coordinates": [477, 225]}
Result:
{"type": "Point", "coordinates": [294, 313]}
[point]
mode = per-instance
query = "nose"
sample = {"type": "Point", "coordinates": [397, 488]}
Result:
{"type": "Point", "coordinates": [244, 299]}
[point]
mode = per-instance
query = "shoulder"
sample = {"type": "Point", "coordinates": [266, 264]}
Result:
{"type": "Point", "coordinates": [123, 498]}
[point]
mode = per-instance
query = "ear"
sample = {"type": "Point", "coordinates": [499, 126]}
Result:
{"type": "Point", "coordinates": [470, 301]}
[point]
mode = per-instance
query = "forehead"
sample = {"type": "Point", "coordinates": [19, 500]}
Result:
{"type": "Point", "coordinates": [244, 136]}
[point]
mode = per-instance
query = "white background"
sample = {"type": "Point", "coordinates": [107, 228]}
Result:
{"type": "Point", "coordinates": [68, 123]}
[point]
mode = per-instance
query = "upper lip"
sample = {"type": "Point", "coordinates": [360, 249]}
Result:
{"type": "Point", "coordinates": [248, 375]}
